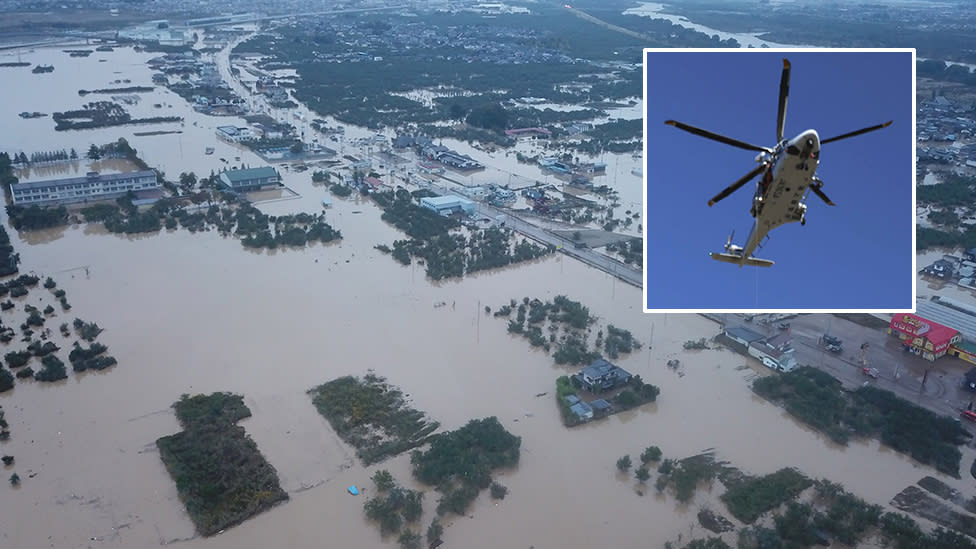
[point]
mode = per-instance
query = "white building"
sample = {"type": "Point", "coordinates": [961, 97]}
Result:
{"type": "Point", "coordinates": [235, 134]}
{"type": "Point", "coordinates": [775, 352]}
{"type": "Point", "coordinates": [447, 205]}
{"type": "Point", "coordinates": [79, 189]}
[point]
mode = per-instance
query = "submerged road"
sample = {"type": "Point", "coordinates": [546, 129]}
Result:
{"type": "Point", "coordinates": [592, 258]}
{"type": "Point", "coordinates": [605, 263]}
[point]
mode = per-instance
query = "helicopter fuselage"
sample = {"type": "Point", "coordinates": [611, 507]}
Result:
{"type": "Point", "coordinates": [780, 196]}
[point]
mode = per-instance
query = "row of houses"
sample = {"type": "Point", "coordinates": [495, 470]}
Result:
{"type": "Point", "coordinates": [433, 152]}
{"type": "Point", "coordinates": [239, 134]}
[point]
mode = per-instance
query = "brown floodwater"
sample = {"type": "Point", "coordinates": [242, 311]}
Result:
{"type": "Point", "coordinates": [196, 313]}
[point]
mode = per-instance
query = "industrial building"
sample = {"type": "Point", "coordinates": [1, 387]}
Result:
{"type": "Point", "coordinates": [959, 316]}
{"type": "Point", "coordinates": [92, 186]}
{"type": "Point", "coordinates": [250, 179]}
{"type": "Point", "coordinates": [447, 205]}
{"type": "Point", "coordinates": [157, 31]}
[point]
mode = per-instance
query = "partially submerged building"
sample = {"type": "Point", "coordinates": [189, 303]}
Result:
{"type": "Point", "coordinates": [92, 186]}
{"type": "Point", "coordinates": [582, 410]}
{"type": "Point", "coordinates": [235, 134]}
{"type": "Point", "coordinates": [775, 352]}
{"type": "Point", "coordinates": [250, 179]}
{"type": "Point", "coordinates": [448, 205]}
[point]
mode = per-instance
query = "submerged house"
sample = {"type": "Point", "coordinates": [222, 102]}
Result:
{"type": "Point", "coordinates": [601, 375]}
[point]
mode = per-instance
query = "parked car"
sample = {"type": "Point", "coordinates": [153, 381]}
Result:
{"type": "Point", "coordinates": [784, 326]}
{"type": "Point", "coordinates": [871, 372]}
{"type": "Point", "coordinates": [833, 348]}
{"type": "Point", "coordinates": [831, 340]}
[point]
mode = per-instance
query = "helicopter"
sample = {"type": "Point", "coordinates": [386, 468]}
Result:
{"type": "Point", "coordinates": [788, 176]}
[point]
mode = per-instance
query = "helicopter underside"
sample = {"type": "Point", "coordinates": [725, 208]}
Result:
{"type": "Point", "coordinates": [785, 201]}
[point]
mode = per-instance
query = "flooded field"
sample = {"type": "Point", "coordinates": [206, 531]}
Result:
{"type": "Point", "coordinates": [196, 313]}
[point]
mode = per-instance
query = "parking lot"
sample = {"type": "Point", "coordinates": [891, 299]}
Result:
{"type": "Point", "coordinates": [898, 371]}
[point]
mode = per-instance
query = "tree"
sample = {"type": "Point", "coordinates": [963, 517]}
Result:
{"type": "Point", "coordinates": [6, 380]}
{"type": "Point", "coordinates": [412, 508]}
{"type": "Point", "coordinates": [74, 154]}
{"type": "Point", "coordinates": [652, 453]}
{"type": "Point", "coordinates": [383, 480]}
{"type": "Point", "coordinates": [94, 153]}
{"type": "Point", "coordinates": [298, 147]}
{"type": "Point", "coordinates": [409, 540]}
{"type": "Point", "coordinates": [624, 463]}
{"type": "Point", "coordinates": [187, 182]}
{"type": "Point", "coordinates": [434, 531]}
{"type": "Point", "coordinates": [15, 479]}
{"type": "Point", "coordinates": [490, 117]}
{"type": "Point", "coordinates": [642, 474]}
{"type": "Point", "coordinates": [458, 112]}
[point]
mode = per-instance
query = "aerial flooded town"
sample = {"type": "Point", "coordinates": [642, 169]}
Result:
{"type": "Point", "coordinates": [370, 274]}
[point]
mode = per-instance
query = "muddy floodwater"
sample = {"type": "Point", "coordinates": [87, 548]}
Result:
{"type": "Point", "coordinates": [196, 313]}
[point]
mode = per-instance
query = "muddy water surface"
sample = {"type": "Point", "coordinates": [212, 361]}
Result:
{"type": "Point", "coordinates": [195, 313]}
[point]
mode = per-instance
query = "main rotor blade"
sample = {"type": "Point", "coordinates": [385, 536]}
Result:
{"type": "Point", "coordinates": [784, 92]}
{"type": "Point", "coordinates": [816, 190]}
{"type": "Point", "coordinates": [856, 132]}
{"type": "Point", "coordinates": [735, 186]}
{"type": "Point", "coordinates": [716, 137]}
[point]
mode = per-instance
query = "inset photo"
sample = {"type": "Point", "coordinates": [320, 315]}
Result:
{"type": "Point", "coordinates": [779, 180]}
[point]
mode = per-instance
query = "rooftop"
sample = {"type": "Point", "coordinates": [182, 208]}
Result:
{"type": "Point", "coordinates": [236, 176]}
{"type": "Point", "coordinates": [92, 176]}
{"type": "Point", "coordinates": [958, 320]}
{"type": "Point", "coordinates": [743, 333]}
{"type": "Point", "coordinates": [448, 200]}
{"type": "Point", "coordinates": [919, 326]}
{"type": "Point", "coordinates": [601, 367]}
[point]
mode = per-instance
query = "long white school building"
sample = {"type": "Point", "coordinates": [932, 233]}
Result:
{"type": "Point", "coordinates": [78, 189]}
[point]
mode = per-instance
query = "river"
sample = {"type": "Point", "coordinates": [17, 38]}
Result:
{"type": "Point", "coordinates": [657, 11]}
{"type": "Point", "coordinates": [196, 313]}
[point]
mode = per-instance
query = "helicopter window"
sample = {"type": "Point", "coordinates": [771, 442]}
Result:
{"type": "Point", "coordinates": [792, 150]}
{"type": "Point", "coordinates": [815, 155]}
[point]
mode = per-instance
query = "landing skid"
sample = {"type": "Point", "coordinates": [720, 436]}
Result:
{"type": "Point", "coordinates": [740, 261]}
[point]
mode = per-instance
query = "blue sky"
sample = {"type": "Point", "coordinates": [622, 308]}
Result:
{"type": "Point", "coordinates": [855, 255]}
